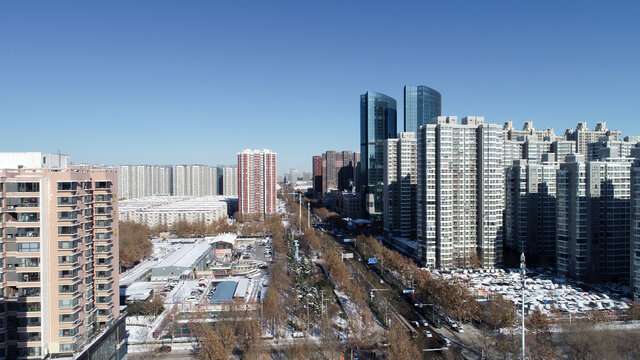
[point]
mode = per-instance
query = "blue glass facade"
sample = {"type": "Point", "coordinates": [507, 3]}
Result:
{"type": "Point", "coordinates": [378, 122]}
{"type": "Point", "coordinates": [421, 104]}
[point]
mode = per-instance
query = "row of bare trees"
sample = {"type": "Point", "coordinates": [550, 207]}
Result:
{"type": "Point", "coordinates": [134, 243]}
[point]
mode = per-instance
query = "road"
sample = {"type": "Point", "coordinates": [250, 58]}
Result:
{"type": "Point", "coordinates": [400, 309]}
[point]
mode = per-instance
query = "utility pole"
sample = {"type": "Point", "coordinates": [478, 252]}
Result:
{"type": "Point", "coordinates": [524, 280]}
{"type": "Point", "coordinates": [308, 216]}
{"type": "Point", "coordinates": [299, 208]}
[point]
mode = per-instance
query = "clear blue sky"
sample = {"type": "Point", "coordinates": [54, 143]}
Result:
{"type": "Point", "coordinates": [166, 82]}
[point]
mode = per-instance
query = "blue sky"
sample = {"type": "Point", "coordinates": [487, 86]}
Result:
{"type": "Point", "coordinates": [165, 82]}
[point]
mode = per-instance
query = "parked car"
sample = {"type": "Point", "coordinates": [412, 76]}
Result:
{"type": "Point", "coordinates": [427, 333]}
{"type": "Point", "coordinates": [163, 349]}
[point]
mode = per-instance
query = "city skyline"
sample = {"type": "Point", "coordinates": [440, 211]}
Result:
{"type": "Point", "coordinates": [174, 82]}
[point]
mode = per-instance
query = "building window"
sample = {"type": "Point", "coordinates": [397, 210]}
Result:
{"type": "Point", "coordinates": [29, 247]}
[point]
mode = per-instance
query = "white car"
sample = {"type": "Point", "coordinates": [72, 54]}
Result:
{"type": "Point", "coordinates": [427, 333]}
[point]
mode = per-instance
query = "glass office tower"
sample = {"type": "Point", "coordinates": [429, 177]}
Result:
{"type": "Point", "coordinates": [377, 123]}
{"type": "Point", "coordinates": [421, 104]}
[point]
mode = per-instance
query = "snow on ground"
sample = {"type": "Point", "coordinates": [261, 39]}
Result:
{"type": "Point", "coordinates": [353, 313]}
{"type": "Point", "coordinates": [141, 328]}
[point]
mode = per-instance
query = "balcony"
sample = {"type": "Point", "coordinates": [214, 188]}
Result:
{"type": "Point", "coordinates": [67, 200]}
{"type": "Point", "coordinates": [102, 198]}
{"type": "Point", "coordinates": [15, 203]}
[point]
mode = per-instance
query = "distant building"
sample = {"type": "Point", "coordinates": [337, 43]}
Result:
{"type": "Point", "coordinates": [582, 136]}
{"type": "Point", "coordinates": [421, 104]}
{"type": "Point", "coordinates": [195, 180]}
{"type": "Point", "coordinates": [257, 182]}
{"type": "Point", "coordinates": [562, 148]}
{"type": "Point", "coordinates": [144, 180]}
{"type": "Point", "coordinates": [378, 114]}
{"type": "Point", "coordinates": [606, 149]}
{"type": "Point", "coordinates": [230, 181]}
{"type": "Point", "coordinates": [400, 182]}
{"type": "Point", "coordinates": [317, 174]}
{"type": "Point", "coordinates": [510, 133]}
{"type": "Point", "coordinates": [166, 210]}
{"type": "Point", "coordinates": [293, 175]}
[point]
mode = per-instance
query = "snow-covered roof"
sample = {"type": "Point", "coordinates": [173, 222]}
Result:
{"type": "Point", "coordinates": [169, 204]}
{"type": "Point", "coordinates": [226, 237]}
{"type": "Point", "coordinates": [241, 289]}
{"type": "Point", "coordinates": [185, 256]}
{"type": "Point", "coordinates": [137, 291]}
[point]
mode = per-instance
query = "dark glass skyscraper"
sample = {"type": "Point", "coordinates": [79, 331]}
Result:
{"type": "Point", "coordinates": [378, 122]}
{"type": "Point", "coordinates": [421, 104]}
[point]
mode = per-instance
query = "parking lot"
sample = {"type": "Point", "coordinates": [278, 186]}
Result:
{"type": "Point", "coordinates": [553, 296]}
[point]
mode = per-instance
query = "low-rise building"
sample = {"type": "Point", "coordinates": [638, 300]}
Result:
{"type": "Point", "coordinates": [183, 262]}
{"type": "Point", "coordinates": [165, 210]}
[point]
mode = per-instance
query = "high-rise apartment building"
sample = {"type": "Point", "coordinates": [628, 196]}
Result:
{"type": "Point", "coordinates": [583, 136]}
{"type": "Point", "coordinates": [195, 180]}
{"type": "Point", "coordinates": [530, 216]}
{"type": "Point", "coordinates": [634, 225]}
{"type": "Point", "coordinates": [562, 148]}
{"type": "Point", "coordinates": [230, 181]}
{"type": "Point", "coordinates": [377, 123]}
{"type": "Point", "coordinates": [593, 224]}
{"type": "Point", "coordinates": [533, 149]}
{"type": "Point", "coordinates": [421, 104]}
{"type": "Point", "coordinates": [400, 182]}
{"type": "Point", "coordinates": [512, 151]}
{"type": "Point", "coordinates": [605, 149]}
{"type": "Point", "coordinates": [317, 174]}
{"type": "Point", "coordinates": [460, 192]}
{"type": "Point", "coordinates": [256, 182]}
{"type": "Point", "coordinates": [510, 133]}
{"type": "Point", "coordinates": [331, 164]}
{"type": "Point", "coordinates": [136, 181]}
{"type": "Point", "coordinates": [59, 273]}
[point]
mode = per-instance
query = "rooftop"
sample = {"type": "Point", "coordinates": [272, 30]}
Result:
{"type": "Point", "coordinates": [173, 203]}
{"type": "Point", "coordinates": [224, 292]}
{"type": "Point", "coordinates": [185, 256]}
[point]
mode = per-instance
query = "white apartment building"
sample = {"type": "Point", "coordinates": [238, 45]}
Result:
{"type": "Point", "coordinates": [230, 181]}
{"type": "Point", "coordinates": [400, 181]}
{"type": "Point", "coordinates": [606, 149]}
{"type": "Point", "coordinates": [195, 180]}
{"type": "Point", "coordinates": [460, 193]}
{"type": "Point", "coordinates": [582, 136]}
{"type": "Point", "coordinates": [144, 180]}
{"type": "Point", "coordinates": [593, 226]}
